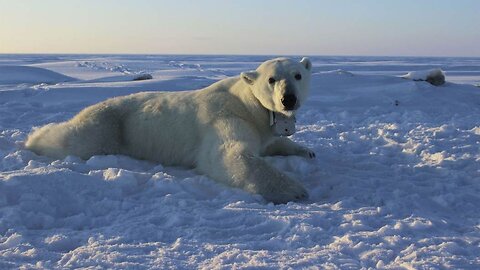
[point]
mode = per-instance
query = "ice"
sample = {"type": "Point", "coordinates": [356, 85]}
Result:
{"type": "Point", "coordinates": [396, 181]}
{"type": "Point", "coordinates": [433, 76]}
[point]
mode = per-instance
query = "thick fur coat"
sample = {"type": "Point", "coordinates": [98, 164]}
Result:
{"type": "Point", "coordinates": [222, 130]}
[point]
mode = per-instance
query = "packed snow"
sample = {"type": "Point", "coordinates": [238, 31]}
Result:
{"type": "Point", "coordinates": [395, 183]}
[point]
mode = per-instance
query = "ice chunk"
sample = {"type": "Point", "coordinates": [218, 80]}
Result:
{"type": "Point", "coordinates": [433, 76]}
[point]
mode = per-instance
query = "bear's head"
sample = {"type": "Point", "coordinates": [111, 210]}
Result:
{"type": "Point", "coordinates": [281, 84]}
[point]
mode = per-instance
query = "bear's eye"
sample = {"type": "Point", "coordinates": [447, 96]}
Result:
{"type": "Point", "coordinates": [271, 80]}
{"type": "Point", "coordinates": [298, 77]}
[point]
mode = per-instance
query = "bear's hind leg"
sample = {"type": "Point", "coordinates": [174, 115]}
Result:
{"type": "Point", "coordinates": [97, 130]}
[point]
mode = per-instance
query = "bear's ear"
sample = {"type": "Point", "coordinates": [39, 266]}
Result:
{"type": "Point", "coordinates": [249, 77]}
{"type": "Point", "coordinates": [306, 63]}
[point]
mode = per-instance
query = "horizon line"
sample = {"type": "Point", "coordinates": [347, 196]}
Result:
{"type": "Point", "coordinates": [243, 54]}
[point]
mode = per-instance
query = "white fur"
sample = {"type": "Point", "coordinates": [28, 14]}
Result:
{"type": "Point", "coordinates": [222, 130]}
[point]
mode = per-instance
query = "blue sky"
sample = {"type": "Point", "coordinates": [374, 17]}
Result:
{"type": "Point", "coordinates": [301, 27]}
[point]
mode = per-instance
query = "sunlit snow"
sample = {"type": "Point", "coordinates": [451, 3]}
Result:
{"type": "Point", "coordinates": [395, 184]}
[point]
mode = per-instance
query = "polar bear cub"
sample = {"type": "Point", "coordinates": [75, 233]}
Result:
{"type": "Point", "coordinates": [222, 130]}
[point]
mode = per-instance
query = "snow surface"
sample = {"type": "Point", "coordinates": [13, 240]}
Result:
{"type": "Point", "coordinates": [395, 185]}
{"type": "Point", "coordinates": [26, 74]}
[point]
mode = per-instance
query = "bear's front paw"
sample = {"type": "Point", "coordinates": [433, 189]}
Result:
{"type": "Point", "coordinates": [306, 153]}
{"type": "Point", "coordinates": [292, 191]}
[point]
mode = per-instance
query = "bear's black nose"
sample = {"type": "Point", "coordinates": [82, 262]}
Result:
{"type": "Point", "coordinates": [289, 101]}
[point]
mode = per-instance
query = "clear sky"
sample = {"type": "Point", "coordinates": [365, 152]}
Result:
{"type": "Point", "coordinates": [300, 27]}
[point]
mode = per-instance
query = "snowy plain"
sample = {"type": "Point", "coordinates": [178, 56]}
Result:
{"type": "Point", "coordinates": [395, 185]}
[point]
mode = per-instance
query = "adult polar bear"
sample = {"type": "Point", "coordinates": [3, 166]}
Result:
{"type": "Point", "coordinates": [221, 130]}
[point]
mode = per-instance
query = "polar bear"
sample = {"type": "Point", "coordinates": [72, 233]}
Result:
{"type": "Point", "coordinates": [222, 130]}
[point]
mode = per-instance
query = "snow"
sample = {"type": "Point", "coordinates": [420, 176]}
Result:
{"type": "Point", "coordinates": [396, 181]}
{"type": "Point", "coordinates": [423, 75]}
{"type": "Point", "coordinates": [434, 76]}
{"type": "Point", "coordinates": [32, 75]}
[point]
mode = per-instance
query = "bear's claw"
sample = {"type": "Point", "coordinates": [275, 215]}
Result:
{"type": "Point", "coordinates": [307, 153]}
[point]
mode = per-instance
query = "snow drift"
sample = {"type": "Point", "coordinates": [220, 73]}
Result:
{"type": "Point", "coordinates": [31, 75]}
{"type": "Point", "coordinates": [395, 183]}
